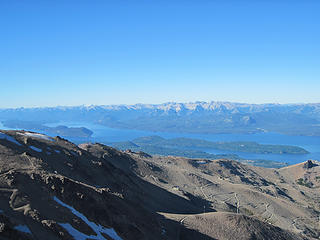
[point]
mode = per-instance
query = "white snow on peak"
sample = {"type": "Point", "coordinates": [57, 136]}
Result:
{"type": "Point", "coordinates": [9, 138]}
{"type": "Point", "coordinates": [177, 107]}
{"type": "Point", "coordinates": [202, 162]}
{"type": "Point", "coordinates": [36, 149]}
{"type": "Point", "coordinates": [98, 229]}
{"type": "Point", "coordinates": [22, 228]}
{"type": "Point", "coordinates": [37, 135]}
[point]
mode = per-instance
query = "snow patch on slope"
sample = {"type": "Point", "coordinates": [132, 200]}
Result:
{"type": "Point", "coordinates": [98, 229]}
{"type": "Point", "coordinates": [22, 228]}
{"type": "Point", "coordinates": [9, 138]}
{"type": "Point", "coordinates": [36, 149]}
{"type": "Point", "coordinates": [37, 135]}
{"type": "Point", "coordinates": [74, 232]}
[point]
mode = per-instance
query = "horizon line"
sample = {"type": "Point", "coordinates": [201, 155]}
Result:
{"type": "Point", "coordinates": [157, 104]}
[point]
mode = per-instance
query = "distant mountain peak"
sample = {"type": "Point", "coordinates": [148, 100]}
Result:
{"type": "Point", "coordinates": [191, 117]}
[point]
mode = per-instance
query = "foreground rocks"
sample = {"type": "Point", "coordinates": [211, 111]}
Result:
{"type": "Point", "coordinates": [53, 189]}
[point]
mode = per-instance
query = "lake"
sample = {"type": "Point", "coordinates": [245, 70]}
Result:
{"type": "Point", "coordinates": [312, 144]}
{"type": "Point", "coordinates": [106, 135]}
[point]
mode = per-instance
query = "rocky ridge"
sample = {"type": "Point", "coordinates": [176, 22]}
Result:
{"type": "Point", "coordinates": [51, 188]}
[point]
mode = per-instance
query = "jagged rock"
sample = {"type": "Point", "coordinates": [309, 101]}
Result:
{"type": "Point", "coordinates": [309, 164]}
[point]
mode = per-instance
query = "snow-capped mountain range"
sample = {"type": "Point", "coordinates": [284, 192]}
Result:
{"type": "Point", "coordinates": [199, 117]}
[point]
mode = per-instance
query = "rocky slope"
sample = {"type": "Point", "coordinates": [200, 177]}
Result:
{"type": "Point", "coordinates": [53, 189]}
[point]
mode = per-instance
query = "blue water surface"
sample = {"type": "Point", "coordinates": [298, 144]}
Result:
{"type": "Point", "coordinates": [310, 143]}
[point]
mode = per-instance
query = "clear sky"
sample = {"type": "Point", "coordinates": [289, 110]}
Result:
{"type": "Point", "coordinates": [73, 52]}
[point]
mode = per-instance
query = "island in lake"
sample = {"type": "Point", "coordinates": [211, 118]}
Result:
{"type": "Point", "coordinates": [242, 146]}
{"type": "Point", "coordinates": [194, 148]}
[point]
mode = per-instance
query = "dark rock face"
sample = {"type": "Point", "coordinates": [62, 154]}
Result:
{"type": "Point", "coordinates": [310, 164]}
{"type": "Point", "coordinates": [105, 195]}
{"type": "Point", "coordinates": [7, 230]}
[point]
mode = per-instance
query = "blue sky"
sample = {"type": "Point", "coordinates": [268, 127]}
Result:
{"type": "Point", "coordinates": [68, 52]}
